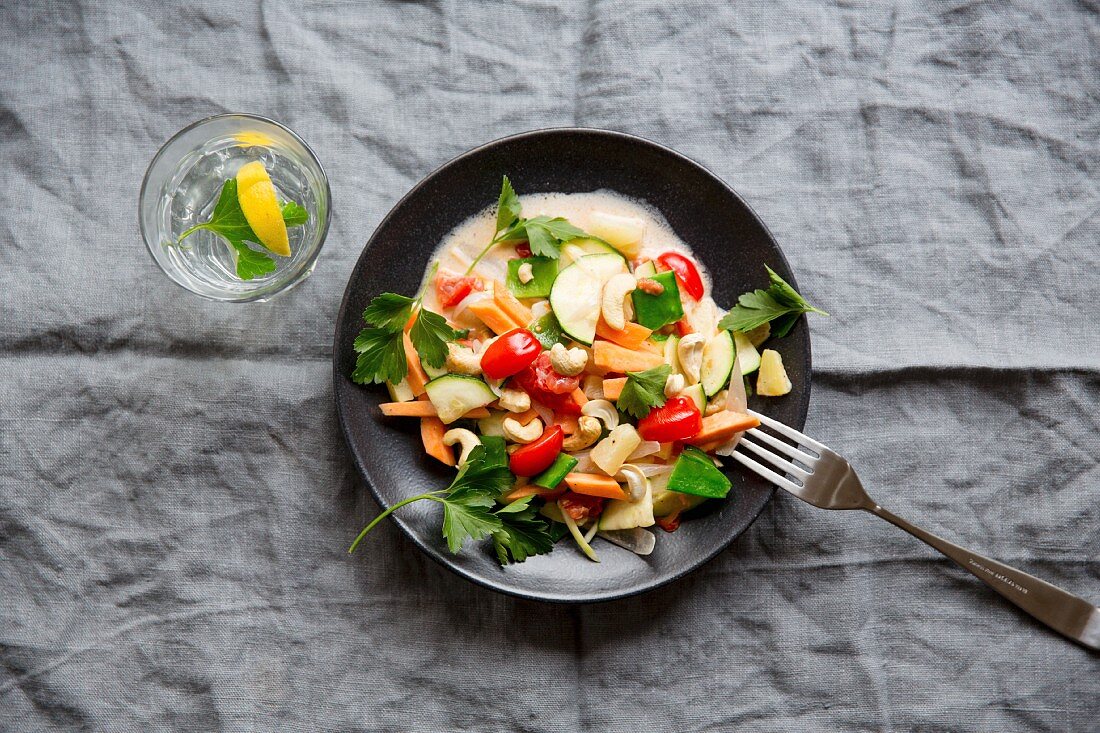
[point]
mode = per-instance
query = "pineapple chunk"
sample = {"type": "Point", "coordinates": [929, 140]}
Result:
{"type": "Point", "coordinates": [624, 233]}
{"type": "Point", "coordinates": [772, 381]}
{"type": "Point", "coordinates": [759, 335]}
{"type": "Point", "coordinates": [611, 453]}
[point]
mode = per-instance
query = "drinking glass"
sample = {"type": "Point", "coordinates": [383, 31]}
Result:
{"type": "Point", "coordinates": [183, 184]}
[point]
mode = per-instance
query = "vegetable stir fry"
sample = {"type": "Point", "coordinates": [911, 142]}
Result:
{"type": "Point", "coordinates": [577, 375]}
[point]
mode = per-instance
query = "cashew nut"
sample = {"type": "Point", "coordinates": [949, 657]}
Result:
{"type": "Point", "coordinates": [593, 387]}
{"type": "Point", "coordinates": [674, 385]}
{"type": "Point", "coordinates": [603, 411]}
{"type": "Point", "coordinates": [568, 362]}
{"type": "Point", "coordinates": [514, 400]}
{"type": "Point", "coordinates": [466, 438]}
{"type": "Point", "coordinates": [636, 482]}
{"type": "Point", "coordinates": [525, 273]}
{"type": "Point", "coordinates": [613, 303]}
{"type": "Point", "coordinates": [690, 353]}
{"type": "Point", "coordinates": [516, 432]}
{"type": "Point", "coordinates": [588, 430]}
{"type": "Point", "coordinates": [717, 402]}
{"type": "Point", "coordinates": [462, 360]}
{"type": "Point", "coordinates": [539, 309]}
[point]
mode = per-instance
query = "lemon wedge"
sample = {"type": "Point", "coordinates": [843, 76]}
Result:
{"type": "Point", "coordinates": [256, 195]}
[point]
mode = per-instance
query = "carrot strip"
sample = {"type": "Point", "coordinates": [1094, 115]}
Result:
{"type": "Point", "coordinates": [612, 388]}
{"type": "Point", "coordinates": [632, 337]}
{"type": "Point", "coordinates": [594, 484]}
{"type": "Point", "coordinates": [431, 434]}
{"type": "Point", "coordinates": [507, 302]}
{"type": "Point", "coordinates": [532, 490]}
{"type": "Point", "coordinates": [579, 396]}
{"type": "Point", "coordinates": [493, 316]}
{"type": "Point", "coordinates": [569, 424]}
{"type": "Point", "coordinates": [611, 357]}
{"type": "Point", "coordinates": [721, 426]}
{"type": "Point", "coordinates": [423, 409]}
{"type": "Point", "coordinates": [416, 377]}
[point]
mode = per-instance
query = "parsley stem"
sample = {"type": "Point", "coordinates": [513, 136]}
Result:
{"type": "Point", "coordinates": [495, 242]}
{"type": "Point", "coordinates": [188, 232]}
{"type": "Point", "coordinates": [427, 281]}
{"type": "Point", "coordinates": [432, 495]}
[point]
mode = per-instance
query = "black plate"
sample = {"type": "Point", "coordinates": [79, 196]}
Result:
{"type": "Point", "coordinates": [706, 213]}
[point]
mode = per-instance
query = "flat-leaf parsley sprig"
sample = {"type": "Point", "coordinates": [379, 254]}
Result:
{"type": "Point", "coordinates": [644, 391]}
{"type": "Point", "coordinates": [380, 345]}
{"type": "Point", "coordinates": [228, 221]}
{"type": "Point", "coordinates": [544, 234]}
{"type": "Point", "coordinates": [780, 303]}
{"type": "Point", "coordinates": [469, 511]}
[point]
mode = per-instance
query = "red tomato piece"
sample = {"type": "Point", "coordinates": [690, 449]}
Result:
{"type": "Point", "coordinates": [450, 290]}
{"type": "Point", "coordinates": [686, 273]}
{"type": "Point", "coordinates": [581, 506]}
{"type": "Point", "coordinates": [678, 419]}
{"type": "Point", "coordinates": [510, 353]}
{"type": "Point", "coordinates": [683, 328]}
{"type": "Point", "coordinates": [536, 457]}
{"type": "Point", "coordinates": [523, 249]}
{"type": "Point", "coordinates": [550, 380]}
{"type": "Point", "coordinates": [548, 387]}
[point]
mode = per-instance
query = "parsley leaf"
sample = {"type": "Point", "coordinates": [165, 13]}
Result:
{"type": "Point", "coordinates": [389, 310]}
{"type": "Point", "coordinates": [643, 391]}
{"type": "Point", "coordinates": [523, 533]}
{"type": "Point", "coordinates": [485, 470]}
{"type": "Point", "coordinates": [544, 233]}
{"type": "Point", "coordinates": [430, 335]}
{"type": "Point", "coordinates": [466, 515]}
{"type": "Point", "coordinates": [250, 263]}
{"type": "Point", "coordinates": [780, 303]}
{"type": "Point", "coordinates": [467, 505]}
{"type": "Point", "coordinates": [228, 221]}
{"type": "Point", "coordinates": [294, 215]}
{"type": "Point", "coordinates": [381, 357]}
{"type": "Point", "coordinates": [508, 206]}
{"type": "Point", "coordinates": [380, 345]}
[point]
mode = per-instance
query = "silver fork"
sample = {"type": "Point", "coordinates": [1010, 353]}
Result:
{"type": "Point", "coordinates": [820, 477]}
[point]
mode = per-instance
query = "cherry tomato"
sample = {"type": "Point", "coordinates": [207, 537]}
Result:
{"type": "Point", "coordinates": [537, 456]}
{"type": "Point", "coordinates": [686, 273]}
{"type": "Point", "coordinates": [523, 249]}
{"type": "Point", "coordinates": [450, 290]}
{"type": "Point", "coordinates": [510, 353]}
{"type": "Point", "coordinates": [580, 506]}
{"type": "Point", "coordinates": [678, 419]}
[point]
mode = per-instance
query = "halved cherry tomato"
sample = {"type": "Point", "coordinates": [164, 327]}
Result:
{"type": "Point", "coordinates": [523, 249]}
{"type": "Point", "coordinates": [581, 507]}
{"type": "Point", "coordinates": [537, 456]}
{"type": "Point", "coordinates": [686, 273]}
{"type": "Point", "coordinates": [678, 419]}
{"type": "Point", "coordinates": [545, 385]}
{"type": "Point", "coordinates": [450, 290]}
{"type": "Point", "coordinates": [510, 353]}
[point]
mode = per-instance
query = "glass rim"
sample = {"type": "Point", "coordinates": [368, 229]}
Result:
{"type": "Point", "coordinates": [260, 294]}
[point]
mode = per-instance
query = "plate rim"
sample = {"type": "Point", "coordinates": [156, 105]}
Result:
{"type": "Point", "coordinates": [434, 553]}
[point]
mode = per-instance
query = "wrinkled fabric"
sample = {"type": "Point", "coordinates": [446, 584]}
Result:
{"type": "Point", "coordinates": [175, 495]}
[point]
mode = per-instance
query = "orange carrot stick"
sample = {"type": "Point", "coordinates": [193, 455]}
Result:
{"type": "Point", "coordinates": [594, 484]}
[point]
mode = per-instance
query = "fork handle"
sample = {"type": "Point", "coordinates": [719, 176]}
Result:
{"type": "Point", "coordinates": [1062, 611]}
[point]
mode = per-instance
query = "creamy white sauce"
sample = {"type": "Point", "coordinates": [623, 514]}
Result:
{"type": "Point", "coordinates": [462, 245]}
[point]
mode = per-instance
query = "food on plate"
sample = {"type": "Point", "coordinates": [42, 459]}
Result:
{"type": "Point", "coordinates": [574, 369]}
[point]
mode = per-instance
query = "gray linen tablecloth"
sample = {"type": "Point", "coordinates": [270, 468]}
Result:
{"type": "Point", "coordinates": [176, 498]}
